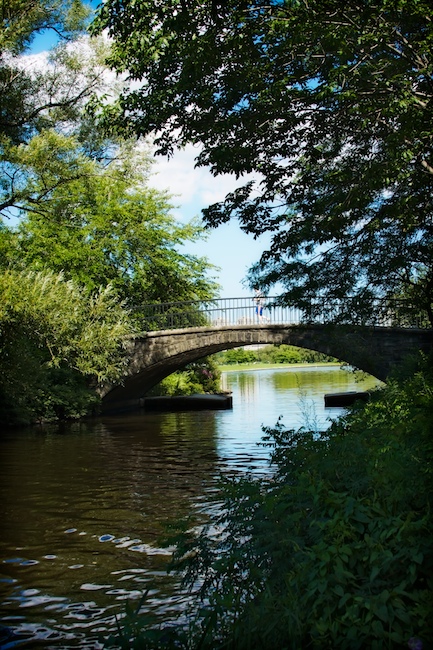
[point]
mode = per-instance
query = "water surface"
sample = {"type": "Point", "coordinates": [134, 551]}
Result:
{"type": "Point", "coordinates": [84, 506]}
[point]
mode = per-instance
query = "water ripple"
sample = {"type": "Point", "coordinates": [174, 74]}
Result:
{"type": "Point", "coordinates": [84, 508]}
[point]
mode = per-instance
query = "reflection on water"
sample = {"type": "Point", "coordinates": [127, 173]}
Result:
{"type": "Point", "coordinates": [83, 507]}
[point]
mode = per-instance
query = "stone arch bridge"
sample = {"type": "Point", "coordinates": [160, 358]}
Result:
{"type": "Point", "coordinates": [180, 333]}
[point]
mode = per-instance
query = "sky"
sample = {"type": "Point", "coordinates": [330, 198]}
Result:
{"type": "Point", "coordinates": [226, 247]}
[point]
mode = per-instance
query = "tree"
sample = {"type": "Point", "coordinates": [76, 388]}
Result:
{"type": "Point", "coordinates": [107, 227]}
{"type": "Point", "coordinates": [33, 98]}
{"type": "Point", "coordinates": [55, 343]}
{"type": "Point", "coordinates": [330, 104]}
{"type": "Point", "coordinates": [238, 355]}
{"type": "Point", "coordinates": [42, 96]}
{"type": "Point", "coordinates": [93, 237]}
{"type": "Point", "coordinates": [21, 20]}
{"type": "Point", "coordinates": [90, 212]}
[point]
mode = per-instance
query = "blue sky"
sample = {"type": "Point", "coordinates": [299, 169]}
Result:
{"type": "Point", "coordinates": [226, 247]}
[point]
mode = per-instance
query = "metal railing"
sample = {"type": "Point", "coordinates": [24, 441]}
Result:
{"type": "Point", "coordinates": [245, 311]}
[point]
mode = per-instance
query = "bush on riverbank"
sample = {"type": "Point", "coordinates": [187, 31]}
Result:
{"type": "Point", "coordinates": [56, 343]}
{"type": "Point", "coordinates": [335, 550]}
{"type": "Point", "coordinates": [199, 377]}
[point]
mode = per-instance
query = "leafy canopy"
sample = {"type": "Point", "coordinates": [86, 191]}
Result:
{"type": "Point", "coordinates": [107, 227]}
{"type": "Point", "coordinates": [21, 20]}
{"type": "Point", "coordinates": [329, 104]}
{"type": "Point", "coordinates": [47, 93]}
{"type": "Point", "coordinates": [92, 234]}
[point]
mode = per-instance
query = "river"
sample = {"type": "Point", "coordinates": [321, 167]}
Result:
{"type": "Point", "coordinates": [84, 505]}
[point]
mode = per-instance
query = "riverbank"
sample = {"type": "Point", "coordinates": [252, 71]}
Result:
{"type": "Point", "coordinates": [238, 367]}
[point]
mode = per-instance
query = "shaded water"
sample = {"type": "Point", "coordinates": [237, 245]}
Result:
{"type": "Point", "coordinates": [83, 507]}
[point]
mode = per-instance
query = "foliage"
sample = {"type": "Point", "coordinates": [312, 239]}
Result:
{"type": "Point", "coordinates": [271, 354]}
{"type": "Point", "coordinates": [93, 237]}
{"type": "Point", "coordinates": [334, 550]}
{"type": "Point", "coordinates": [109, 227]}
{"type": "Point", "coordinates": [86, 212]}
{"type": "Point", "coordinates": [83, 197]}
{"type": "Point", "coordinates": [328, 105]}
{"type": "Point", "coordinates": [56, 343]}
{"type": "Point", "coordinates": [21, 20]}
{"type": "Point", "coordinates": [108, 230]}
{"type": "Point", "coordinates": [44, 96]}
{"type": "Point", "coordinates": [199, 377]}
{"type": "Point", "coordinates": [237, 355]}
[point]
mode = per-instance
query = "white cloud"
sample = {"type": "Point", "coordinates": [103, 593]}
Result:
{"type": "Point", "coordinates": [177, 175]}
{"type": "Point", "coordinates": [193, 188]}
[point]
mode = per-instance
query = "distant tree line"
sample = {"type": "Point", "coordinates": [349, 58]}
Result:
{"type": "Point", "coordinates": [271, 354]}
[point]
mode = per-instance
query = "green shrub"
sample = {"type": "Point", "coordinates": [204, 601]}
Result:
{"type": "Point", "coordinates": [57, 342]}
{"type": "Point", "coordinates": [335, 549]}
{"type": "Point", "coordinates": [201, 376]}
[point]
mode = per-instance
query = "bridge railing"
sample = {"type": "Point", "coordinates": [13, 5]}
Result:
{"type": "Point", "coordinates": [218, 312]}
{"type": "Point", "coordinates": [244, 311]}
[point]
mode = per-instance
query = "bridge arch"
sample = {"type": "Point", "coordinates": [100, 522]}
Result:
{"type": "Point", "coordinates": [155, 355]}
